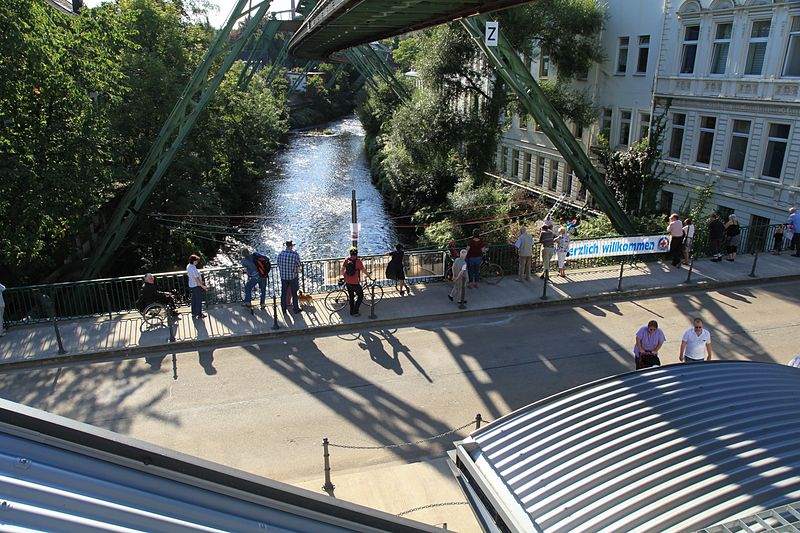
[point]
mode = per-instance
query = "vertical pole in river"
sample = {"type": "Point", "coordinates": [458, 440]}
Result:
{"type": "Point", "coordinates": [354, 219]}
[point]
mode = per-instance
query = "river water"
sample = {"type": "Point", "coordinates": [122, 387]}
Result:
{"type": "Point", "coordinates": [305, 197]}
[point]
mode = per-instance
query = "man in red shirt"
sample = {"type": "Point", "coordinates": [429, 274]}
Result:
{"type": "Point", "coordinates": [351, 272]}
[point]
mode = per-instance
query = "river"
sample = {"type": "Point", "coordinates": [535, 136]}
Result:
{"type": "Point", "coordinates": [305, 197]}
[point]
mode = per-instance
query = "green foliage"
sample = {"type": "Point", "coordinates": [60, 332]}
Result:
{"type": "Point", "coordinates": [81, 101]}
{"type": "Point", "coordinates": [406, 53]}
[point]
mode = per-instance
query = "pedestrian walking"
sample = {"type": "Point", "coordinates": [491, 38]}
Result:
{"type": "Point", "coordinates": [547, 241]}
{"type": "Point", "coordinates": [716, 234]}
{"type": "Point", "coordinates": [688, 239]}
{"type": "Point", "coordinates": [396, 269]}
{"type": "Point", "coordinates": [695, 344]}
{"type": "Point", "coordinates": [351, 272]}
{"type": "Point", "coordinates": [733, 235]}
{"type": "Point", "coordinates": [562, 250]}
{"type": "Point", "coordinates": [2, 310]}
{"type": "Point", "coordinates": [289, 266]}
{"type": "Point", "coordinates": [793, 226]}
{"type": "Point", "coordinates": [524, 245]}
{"type": "Point", "coordinates": [649, 340]}
{"type": "Point", "coordinates": [459, 271]}
{"type": "Point", "coordinates": [475, 248]}
{"type": "Point", "coordinates": [777, 239]}
{"type": "Point", "coordinates": [675, 230]}
{"type": "Point", "coordinates": [196, 286]}
{"type": "Point", "coordinates": [257, 266]}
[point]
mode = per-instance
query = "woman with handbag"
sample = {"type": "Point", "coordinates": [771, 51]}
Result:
{"type": "Point", "coordinates": [733, 235]}
{"type": "Point", "coordinates": [395, 270]}
{"type": "Point", "coordinates": [562, 250]}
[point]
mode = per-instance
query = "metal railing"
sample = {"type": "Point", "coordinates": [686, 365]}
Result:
{"type": "Point", "coordinates": [98, 297]}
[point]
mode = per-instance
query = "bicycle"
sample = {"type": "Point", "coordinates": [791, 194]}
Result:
{"type": "Point", "coordinates": [491, 273]}
{"type": "Point", "coordinates": [338, 298]}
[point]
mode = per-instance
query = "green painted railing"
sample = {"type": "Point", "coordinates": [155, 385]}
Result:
{"type": "Point", "coordinates": [98, 297]}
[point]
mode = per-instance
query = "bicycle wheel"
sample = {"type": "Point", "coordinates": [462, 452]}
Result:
{"type": "Point", "coordinates": [368, 293]}
{"type": "Point", "coordinates": [491, 273]}
{"type": "Point", "coordinates": [336, 300]}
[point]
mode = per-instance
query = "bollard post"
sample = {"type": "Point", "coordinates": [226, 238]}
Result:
{"type": "Point", "coordinates": [621, 269]}
{"type": "Point", "coordinates": [328, 486]}
{"type": "Point", "coordinates": [50, 302]}
{"type": "Point", "coordinates": [171, 325]}
{"type": "Point", "coordinates": [691, 267]}
{"type": "Point", "coordinates": [108, 302]}
{"type": "Point", "coordinates": [478, 421]}
{"type": "Point", "coordinates": [462, 301]}
{"type": "Point", "coordinates": [61, 350]}
{"type": "Point", "coordinates": [546, 278]}
{"type": "Point", "coordinates": [755, 261]}
{"type": "Point", "coordinates": [372, 303]}
{"type": "Point", "coordinates": [275, 312]}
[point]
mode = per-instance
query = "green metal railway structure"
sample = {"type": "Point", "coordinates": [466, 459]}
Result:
{"type": "Point", "coordinates": [332, 30]}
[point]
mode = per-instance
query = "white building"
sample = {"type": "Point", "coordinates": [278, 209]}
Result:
{"type": "Point", "coordinates": [729, 73]}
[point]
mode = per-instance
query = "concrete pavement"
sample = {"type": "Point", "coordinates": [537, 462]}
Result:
{"type": "Point", "coordinates": [126, 335]}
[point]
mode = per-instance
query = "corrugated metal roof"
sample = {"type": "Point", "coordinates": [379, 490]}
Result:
{"type": "Point", "coordinates": [783, 519]}
{"type": "Point", "coordinates": [674, 448]}
{"type": "Point", "coordinates": [59, 475]}
{"type": "Point", "coordinates": [65, 6]}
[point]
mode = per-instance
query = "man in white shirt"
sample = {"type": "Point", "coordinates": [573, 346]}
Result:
{"type": "Point", "coordinates": [695, 344]}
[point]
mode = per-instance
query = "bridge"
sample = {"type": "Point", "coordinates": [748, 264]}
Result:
{"type": "Point", "coordinates": [332, 26]}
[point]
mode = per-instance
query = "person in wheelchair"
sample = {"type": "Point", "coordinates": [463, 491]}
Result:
{"type": "Point", "coordinates": [150, 295]}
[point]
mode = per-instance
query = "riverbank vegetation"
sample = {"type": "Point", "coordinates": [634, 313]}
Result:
{"type": "Point", "coordinates": [82, 98]}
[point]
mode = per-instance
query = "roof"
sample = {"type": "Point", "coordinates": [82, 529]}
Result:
{"type": "Point", "coordinates": [674, 448]}
{"type": "Point", "coordinates": [65, 6]}
{"type": "Point", "coordinates": [335, 25]}
{"type": "Point", "coordinates": [61, 475]}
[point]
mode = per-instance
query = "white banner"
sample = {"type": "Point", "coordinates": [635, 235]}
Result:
{"type": "Point", "coordinates": [648, 244]}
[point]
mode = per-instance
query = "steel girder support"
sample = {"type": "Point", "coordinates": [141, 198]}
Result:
{"type": "Point", "coordinates": [306, 69]}
{"type": "Point", "coordinates": [277, 64]}
{"type": "Point", "coordinates": [362, 68]}
{"type": "Point", "coordinates": [255, 59]}
{"type": "Point", "coordinates": [371, 65]}
{"type": "Point", "coordinates": [198, 92]}
{"type": "Point", "coordinates": [509, 66]}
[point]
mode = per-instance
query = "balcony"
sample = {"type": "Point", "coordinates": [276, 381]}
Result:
{"type": "Point", "coordinates": [779, 89]}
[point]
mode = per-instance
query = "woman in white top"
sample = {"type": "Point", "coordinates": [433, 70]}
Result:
{"type": "Point", "coordinates": [688, 238]}
{"type": "Point", "coordinates": [562, 249]}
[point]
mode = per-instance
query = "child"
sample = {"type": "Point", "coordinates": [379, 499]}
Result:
{"type": "Point", "coordinates": [778, 240]}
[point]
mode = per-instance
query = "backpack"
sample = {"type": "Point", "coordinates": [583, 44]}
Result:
{"type": "Point", "coordinates": [350, 267]}
{"type": "Point", "coordinates": [262, 264]}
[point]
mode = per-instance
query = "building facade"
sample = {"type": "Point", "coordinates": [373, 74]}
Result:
{"type": "Point", "coordinates": [724, 76]}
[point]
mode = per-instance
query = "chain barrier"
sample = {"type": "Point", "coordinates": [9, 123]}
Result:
{"type": "Point", "coordinates": [430, 506]}
{"type": "Point", "coordinates": [398, 445]}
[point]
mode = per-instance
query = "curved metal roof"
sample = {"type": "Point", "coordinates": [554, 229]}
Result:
{"type": "Point", "coordinates": [335, 25]}
{"type": "Point", "coordinates": [674, 448]}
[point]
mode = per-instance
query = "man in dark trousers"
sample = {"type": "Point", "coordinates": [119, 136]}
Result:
{"type": "Point", "coordinates": [151, 295]}
{"type": "Point", "coordinates": [351, 272]}
{"type": "Point", "coordinates": [716, 231]}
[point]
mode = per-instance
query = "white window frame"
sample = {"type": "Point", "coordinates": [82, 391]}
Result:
{"type": "Point", "coordinates": [544, 64]}
{"type": "Point", "coordinates": [673, 127]}
{"type": "Point", "coordinates": [621, 128]}
{"type": "Point", "coordinates": [541, 170]}
{"type": "Point", "coordinates": [718, 42]}
{"type": "Point", "coordinates": [606, 123]}
{"type": "Point", "coordinates": [685, 43]}
{"type": "Point", "coordinates": [756, 41]}
{"type": "Point", "coordinates": [555, 167]}
{"type": "Point", "coordinates": [700, 131]}
{"type": "Point", "coordinates": [738, 135]}
{"type": "Point", "coordinates": [794, 35]}
{"type": "Point", "coordinates": [644, 121]}
{"type": "Point", "coordinates": [770, 139]}
{"type": "Point", "coordinates": [644, 46]}
{"type": "Point", "coordinates": [623, 47]}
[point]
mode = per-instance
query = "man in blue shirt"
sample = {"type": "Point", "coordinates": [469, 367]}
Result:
{"type": "Point", "coordinates": [289, 267]}
{"type": "Point", "coordinates": [794, 220]}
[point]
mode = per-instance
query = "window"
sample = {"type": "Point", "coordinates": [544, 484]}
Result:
{"type": "Point", "coordinates": [554, 174]}
{"type": "Point", "coordinates": [523, 122]}
{"type": "Point", "coordinates": [622, 55]}
{"type": "Point", "coordinates": [605, 123]}
{"type": "Point", "coordinates": [504, 161]}
{"type": "Point", "coordinates": [706, 139]}
{"type": "Point", "coordinates": [578, 131]}
{"type": "Point", "coordinates": [689, 53]}
{"type": "Point", "coordinates": [544, 64]}
{"type": "Point", "coordinates": [665, 203]}
{"type": "Point", "coordinates": [792, 65]}
{"type": "Point", "coordinates": [722, 44]}
{"type": "Point", "coordinates": [540, 171]}
{"type": "Point", "coordinates": [526, 168]}
{"type": "Point", "coordinates": [624, 128]}
{"type": "Point", "coordinates": [676, 138]}
{"type": "Point", "coordinates": [538, 128]}
{"type": "Point", "coordinates": [723, 212]}
{"type": "Point", "coordinates": [644, 54]}
{"type": "Point", "coordinates": [776, 150]}
{"type": "Point", "coordinates": [567, 185]}
{"type": "Point", "coordinates": [644, 125]}
{"type": "Point", "coordinates": [757, 50]}
{"type": "Point", "coordinates": [740, 134]}
{"type": "Point", "coordinates": [515, 164]}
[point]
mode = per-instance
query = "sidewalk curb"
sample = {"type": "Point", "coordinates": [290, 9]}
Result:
{"type": "Point", "coordinates": [191, 345]}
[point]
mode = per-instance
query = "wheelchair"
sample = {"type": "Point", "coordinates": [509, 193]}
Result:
{"type": "Point", "coordinates": [156, 314]}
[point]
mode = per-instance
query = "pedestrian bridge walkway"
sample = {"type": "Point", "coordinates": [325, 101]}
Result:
{"type": "Point", "coordinates": [124, 334]}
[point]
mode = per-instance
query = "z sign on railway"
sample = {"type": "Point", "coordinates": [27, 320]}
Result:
{"type": "Point", "coordinates": [492, 29]}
